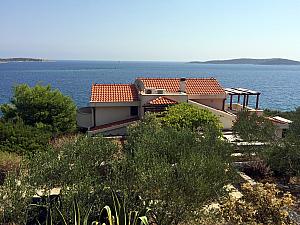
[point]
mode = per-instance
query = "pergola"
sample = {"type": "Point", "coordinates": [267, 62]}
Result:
{"type": "Point", "coordinates": [242, 92]}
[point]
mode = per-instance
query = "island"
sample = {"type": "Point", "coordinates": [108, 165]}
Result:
{"type": "Point", "coordinates": [5, 60]}
{"type": "Point", "coordinates": [271, 61]}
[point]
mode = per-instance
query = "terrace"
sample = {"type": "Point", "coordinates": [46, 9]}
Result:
{"type": "Point", "coordinates": [241, 95]}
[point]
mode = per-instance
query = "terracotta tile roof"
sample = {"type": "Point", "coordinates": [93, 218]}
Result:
{"type": "Point", "coordinates": [111, 125]}
{"type": "Point", "coordinates": [114, 93]}
{"type": "Point", "coordinates": [162, 101]}
{"type": "Point", "coordinates": [198, 86]}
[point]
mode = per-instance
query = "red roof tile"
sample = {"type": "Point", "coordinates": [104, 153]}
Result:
{"type": "Point", "coordinates": [194, 86]}
{"type": "Point", "coordinates": [114, 93]}
{"type": "Point", "coordinates": [162, 101]}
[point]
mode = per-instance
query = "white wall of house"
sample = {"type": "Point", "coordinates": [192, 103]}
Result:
{"type": "Point", "coordinates": [104, 115]}
{"type": "Point", "coordinates": [214, 103]}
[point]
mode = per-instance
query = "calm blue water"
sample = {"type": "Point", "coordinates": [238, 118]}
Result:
{"type": "Point", "coordinates": [279, 85]}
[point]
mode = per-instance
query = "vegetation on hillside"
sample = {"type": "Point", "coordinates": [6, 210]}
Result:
{"type": "Point", "coordinates": [175, 170]}
{"type": "Point", "coordinates": [41, 107]}
{"type": "Point", "coordinates": [175, 165]}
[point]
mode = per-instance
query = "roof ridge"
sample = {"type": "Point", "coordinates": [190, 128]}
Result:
{"type": "Point", "coordinates": [111, 84]}
{"type": "Point", "coordinates": [175, 78]}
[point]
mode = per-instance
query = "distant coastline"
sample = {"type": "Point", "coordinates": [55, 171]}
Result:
{"type": "Point", "coordinates": [271, 61]}
{"type": "Point", "coordinates": [7, 60]}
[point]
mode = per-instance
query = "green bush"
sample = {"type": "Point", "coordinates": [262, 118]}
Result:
{"type": "Point", "coordinates": [185, 115]}
{"type": "Point", "coordinates": [42, 107]}
{"type": "Point", "coordinates": [175, 171]}
{"type": "Point", "coordinates": [284, 157]}
{"type": "Point", "coordinates": [251, 127]}
{"type": "Point", "coordinates": [22, 139]}
{"type": "Point", "coordinates": [80, 168]}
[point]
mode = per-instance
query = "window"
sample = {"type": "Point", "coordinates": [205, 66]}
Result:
{"type": "Point", "coordinates": [134, 110]}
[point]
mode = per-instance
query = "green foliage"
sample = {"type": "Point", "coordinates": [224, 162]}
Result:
{"type": "Point", "coordinates": [116, 214]}
{"type": "Point", "coordinates": [284, 156]}
{"type": "Point", "coordinates": [22, 139]}
{"type": "Point", "coordinates": [81, 168]}
{"type": "Point", "coordinates": [295, 126]}
{"type": "Point", "coordinates": [14, 198]}
{"type": "Point", "coordinates": [9, 162]}
{"type": "Point", "coordinates": [251, 127]}
{"type": "Point", "coordinates": [185, 115]}
{"type": "Point", "coordinates": [260, 204]}
{"type": "Point", "coordinates": [175, 171]}
{"type": "Point", "coordinates": [42, 107]}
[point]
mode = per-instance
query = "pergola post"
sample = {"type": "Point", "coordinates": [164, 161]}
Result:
{"type": "Point", "coordinates": [244, 101]}
{"type": "Point", "coordinates": [247, 101]}
{"type": "Point", "coordinates": [239, 96]}
{"type": "Point", "coordinates": [257, 99]}
{"type": "Point", "coordinates": [230, 102]}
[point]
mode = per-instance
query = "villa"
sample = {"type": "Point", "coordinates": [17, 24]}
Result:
{"type": "Point", "coordinates": [113, 107]}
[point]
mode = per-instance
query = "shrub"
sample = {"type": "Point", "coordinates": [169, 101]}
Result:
{"type": "Point", "coordinates": [9, 162]}
{"type": "Point", "coordinates": [42, 107]}
{"type": "Point", "coordinates": [185, 115]}
{"type": "Point", "coordinates": [15, 196]}
{"type": "Point", "coordinates": [260, 204]}
{"type": "Point", "coordinates": [22, 139]}
{"type": "Point", "coordinates": [174, 171]}
{"type": "Point", "coordinates": [80, 168]}
{"type": "Point", "coordinates": [251, 127]}
{"type": "Point", "coordinates": [284, 157]}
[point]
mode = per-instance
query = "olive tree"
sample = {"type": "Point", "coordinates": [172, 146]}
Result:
{"type": "Point", "coordinates": [174, 171]}
{"type": "Point", "coordinates": [251, 127]}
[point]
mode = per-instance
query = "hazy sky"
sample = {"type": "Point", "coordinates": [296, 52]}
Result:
{"type": "Point", "coordinates": [150, 30]}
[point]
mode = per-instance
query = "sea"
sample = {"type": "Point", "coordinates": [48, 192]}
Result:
{"type": "Point", "coordinates": [279, 84]}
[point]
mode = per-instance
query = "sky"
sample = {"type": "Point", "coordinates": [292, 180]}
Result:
{"type": "Point", "coordinates": [155, 30]}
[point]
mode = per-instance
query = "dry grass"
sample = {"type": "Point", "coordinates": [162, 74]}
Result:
{"type": "Point", "coordinates": [8, 162]}
{"type": "Point", "coordinates": [58, 142]}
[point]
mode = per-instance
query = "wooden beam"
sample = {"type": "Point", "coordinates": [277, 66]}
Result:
{"type": "Point", "coordinates": [244, 101]}
{"type": "Point", "coordinates": [257, 99]}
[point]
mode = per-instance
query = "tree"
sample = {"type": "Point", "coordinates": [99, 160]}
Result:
{"type": "Point", "coordinates": [185, 115]}
{"type": "Point", "coordinates": [284, 156]}
{"type": "Point", "coordinates": [295, 126]}
{"type": "Point", "coordinates": [175, 171]}
{"type": "Point", "coordinates": [251, 127]}
{"type": "Point", "coordinates": [42, 107]}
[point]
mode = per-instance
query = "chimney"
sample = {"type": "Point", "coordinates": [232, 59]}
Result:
{"type": "Point", "coordinates": [182, 85]}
